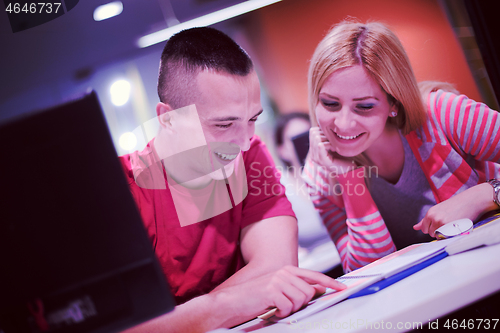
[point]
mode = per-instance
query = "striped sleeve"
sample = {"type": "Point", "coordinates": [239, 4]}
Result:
{"type": "Point", "coordinates": [470, 127]}
{"type": "Point", "coordinates": [350, 215]}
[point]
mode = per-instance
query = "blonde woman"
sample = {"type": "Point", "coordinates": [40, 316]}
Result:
{"type": "Point", "coordinates": [387, 167]}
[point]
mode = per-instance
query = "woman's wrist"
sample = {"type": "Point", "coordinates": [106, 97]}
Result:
{"type": "Point", "coordinates": [483, 198]}
{"type": "Point", "coordinates": [495, 184]}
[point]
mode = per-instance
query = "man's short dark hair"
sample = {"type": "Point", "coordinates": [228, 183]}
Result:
{"type": "Point", "coordinates": [193, 50]}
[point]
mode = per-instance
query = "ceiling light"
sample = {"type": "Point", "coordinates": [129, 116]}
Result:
{"type": "Point", "coordinates": [120, 92]}
{"type": "Point", "coordinates": [127, 141]}
{"type": "Point", "coordinates": [203, 21]}
{"type": "Point", "coordinates": [108, 10]}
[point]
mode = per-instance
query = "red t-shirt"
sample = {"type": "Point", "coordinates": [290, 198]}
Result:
{"type": "Point", "coordinates": [198, 257]}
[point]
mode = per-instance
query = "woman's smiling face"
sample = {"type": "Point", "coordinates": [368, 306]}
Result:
{"type": "Point", "coordinates": [352, 111]}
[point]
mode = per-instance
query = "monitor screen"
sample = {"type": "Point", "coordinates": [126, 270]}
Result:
{"type": "Point", "coordinates": [301, 145]}
{"type": "Point", "coordinates": [74, 254]}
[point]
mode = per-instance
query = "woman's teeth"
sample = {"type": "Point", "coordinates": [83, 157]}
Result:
{"type": "Point", "coordinates": [347, 137]}
{"type": "Point", "coordinates": [226, 157]}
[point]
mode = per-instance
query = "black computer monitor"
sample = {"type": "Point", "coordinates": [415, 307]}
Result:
{"type": "Point", "coordinates": [74, 254]}
{"type": "Point", "coordinates": [301, 145]}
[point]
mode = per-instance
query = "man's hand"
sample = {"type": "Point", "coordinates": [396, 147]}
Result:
{"type": "Point", "coordinates": [287, 290]}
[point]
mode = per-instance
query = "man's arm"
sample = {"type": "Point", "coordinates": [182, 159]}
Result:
{"type": "Point", "coordinates": [287, 289]}
{"type": "Point", "coordinates": [269, 280]}
{"type": "Point", "coordinates": [266, 246]}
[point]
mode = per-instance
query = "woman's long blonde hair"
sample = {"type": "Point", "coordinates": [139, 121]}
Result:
{"type": "Point", "coordinates": [379, 51]}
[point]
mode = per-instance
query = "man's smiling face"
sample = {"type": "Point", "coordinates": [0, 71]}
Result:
{"type": "Point", "coordinates": [228, 106]}
{"type": "Point", "coordinates": [204, 140]}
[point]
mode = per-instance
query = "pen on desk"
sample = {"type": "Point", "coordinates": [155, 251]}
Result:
{"type": "Point", "coordinates": [268, 314]}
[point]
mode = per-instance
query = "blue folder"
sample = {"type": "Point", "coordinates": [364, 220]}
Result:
{"type": "Point", "coordinates": [377, 286]}
{"type": "Point", "coordinates": [409, 271]}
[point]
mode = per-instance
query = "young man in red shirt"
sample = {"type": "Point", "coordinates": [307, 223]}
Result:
{"type": "Point", "coordinates": [210, 196]}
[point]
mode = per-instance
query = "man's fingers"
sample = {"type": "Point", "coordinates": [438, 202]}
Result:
{"type": "Point", "coordinates": [313, 277]}
{"type": "Point", "coordinates": [307, 289]}
{"type": "Point", "coordinates": [283, 305]}
{"type": "Point", "coordinates": [297, 296]}
{"type": "Point", "coordinates": [319, 289]}
{"type": "Point", "coordinates": [294, 287]}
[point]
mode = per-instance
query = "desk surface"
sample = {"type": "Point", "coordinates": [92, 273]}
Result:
{"type": "Point", "coordinates": [433, 292]}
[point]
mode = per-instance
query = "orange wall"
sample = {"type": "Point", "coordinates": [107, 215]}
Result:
{"type": "Point", "coordinates": [282, 38]}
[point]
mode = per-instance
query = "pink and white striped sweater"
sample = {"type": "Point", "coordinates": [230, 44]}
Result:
{"type": "Point", "coordinates": [457, 148]}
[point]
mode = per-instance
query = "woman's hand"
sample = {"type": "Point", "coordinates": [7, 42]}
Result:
{"type": "Point", "coordinates": [470, 203]}
{"type": "Point", "coordinates": [323, 153]}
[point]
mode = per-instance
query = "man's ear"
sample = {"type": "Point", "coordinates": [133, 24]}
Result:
{"type": "Point", "coordinates": [164, 115]}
